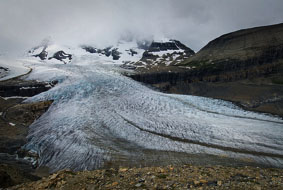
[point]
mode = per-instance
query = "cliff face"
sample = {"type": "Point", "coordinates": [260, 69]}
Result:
{"type": "Point", "coordinates": [250, 57]}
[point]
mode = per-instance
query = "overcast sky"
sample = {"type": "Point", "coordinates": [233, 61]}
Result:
{"type": "Point", "coordinates": [25, 23]}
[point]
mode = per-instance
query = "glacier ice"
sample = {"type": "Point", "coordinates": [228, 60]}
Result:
{"type": "Point", "coordinates": [99, 115]}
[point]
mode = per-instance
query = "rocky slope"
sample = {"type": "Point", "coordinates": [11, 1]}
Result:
{"type": "Point", "coordinates": [15, 117]}
{"type": "Point", "coordinates": [170, 177]}
{"type": "Point", "coordinates": [15, 166]}
{"type": "Point", "coordinates": [246, 61]}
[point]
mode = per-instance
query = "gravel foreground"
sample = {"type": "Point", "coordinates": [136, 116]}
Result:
{"type": "Point", "coordinates": [170, 177]}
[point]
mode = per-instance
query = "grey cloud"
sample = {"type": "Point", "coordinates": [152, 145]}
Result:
{"type": "Point", "coordinates": [24, 23]}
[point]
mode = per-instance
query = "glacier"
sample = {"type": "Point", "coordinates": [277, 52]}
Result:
{"type": "Point", "coordinates": [99, 116]}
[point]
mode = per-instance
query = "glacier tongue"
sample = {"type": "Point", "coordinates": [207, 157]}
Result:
{"type": "Point", "coordinates": [99, 115]}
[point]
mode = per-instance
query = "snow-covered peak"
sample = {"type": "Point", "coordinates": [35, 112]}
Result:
{"type": "Point", "coordinates": [162, 53]}
{"type": "Point", "coordinates": [120, 53]}
{"type": "Point", "coordinates": [130, 54]}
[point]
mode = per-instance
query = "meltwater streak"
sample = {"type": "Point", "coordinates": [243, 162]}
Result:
{"type": "Point", "coordinates": [99, 115]}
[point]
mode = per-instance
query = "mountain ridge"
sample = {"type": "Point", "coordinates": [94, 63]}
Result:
{"type": "Point", "coordinates": [242, 65]}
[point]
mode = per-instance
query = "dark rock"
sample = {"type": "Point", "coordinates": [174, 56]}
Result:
{"type": "Point", "coordinates": [61, 56]}
{"type": "Point", "coordinates": [115, 54]}
{"type": "Point", "coordinates": [171, 45]}
{"type": "Point", "coordinates": [132, 52]}
{"type": "Point", "coordinates": [162, 46]}
{"type": "Point", "coordinates": [43, 55]}
{"type": "Point", "coordinates": [3, 68]}
{"type": "Point", "coordinates": [89, 49]}
{"type": "Point", "coordinates": [148, 55]}
{"type": "Point", "coordinates": [23, 90]}
{"type": "Point", "coordinates": [107, 52]}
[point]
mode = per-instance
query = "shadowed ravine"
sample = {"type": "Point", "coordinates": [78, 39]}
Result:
{"type": "Point", "coordinates": [99, 115]}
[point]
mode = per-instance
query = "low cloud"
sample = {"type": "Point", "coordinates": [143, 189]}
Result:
{"type": "Point", "coordinates": [25, 23]}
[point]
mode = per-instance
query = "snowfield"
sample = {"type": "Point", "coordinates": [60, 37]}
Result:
{"type": "Point", "coordinates": [100, 116]}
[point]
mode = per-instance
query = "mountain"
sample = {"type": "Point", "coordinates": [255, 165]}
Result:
{"type": "Point", "coordinates": [133, 55]}
{"type": "Point", "coordinates": [258, 47]}
{"type": "Point", "coordinates": [160, 54]}
{"type": "Point", "coordinates": [245, 67]}
{"type": "Point", "coordinates": [51, 51]}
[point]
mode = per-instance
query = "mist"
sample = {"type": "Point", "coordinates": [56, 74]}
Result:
{"type": "Point", "coordinates": [25, 23]}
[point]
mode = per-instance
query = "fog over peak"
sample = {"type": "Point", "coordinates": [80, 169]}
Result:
{"type": "Point", "coordinates": [25, 23]}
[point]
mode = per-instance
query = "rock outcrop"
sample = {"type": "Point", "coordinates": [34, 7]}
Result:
{"type": "Point", "coordinates": [62, 56]}
{"type": "Point", "coordinates": [109, 51]}
{"type": "Point", "coordinates": [43, 54]}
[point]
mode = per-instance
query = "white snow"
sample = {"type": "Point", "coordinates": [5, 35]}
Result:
{"type": "Point", "coordinates": [124, 48]}
{"type": "Point", "coordinates": [12, 124]}
{"type": "Point", "coordinates": [14, 97]}
{"type": "Point", "coordinates": [161, 53]}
